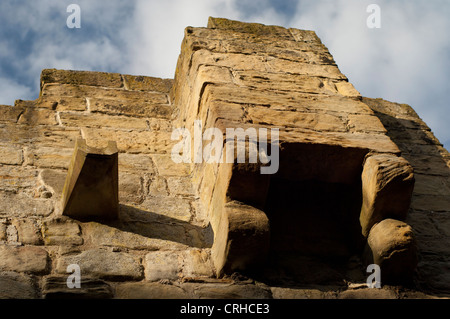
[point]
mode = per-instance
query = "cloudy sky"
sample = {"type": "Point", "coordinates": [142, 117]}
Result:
{"type": "Point", "coordinates": [407, 60]}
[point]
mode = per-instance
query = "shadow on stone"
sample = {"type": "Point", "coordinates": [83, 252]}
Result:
{"type": "Point", "coordinates": [157, 226]}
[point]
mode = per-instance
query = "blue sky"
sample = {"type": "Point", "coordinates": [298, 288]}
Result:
{"type": "Point", "coordinates": [407, 60]}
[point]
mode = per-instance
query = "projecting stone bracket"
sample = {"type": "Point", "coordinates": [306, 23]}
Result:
{"type": "Point", "coordinates": [387, 186]}
{"type": "Point", "coordinates": [242, 239]}
{"type": "Point", "coordinates": [91, 187]}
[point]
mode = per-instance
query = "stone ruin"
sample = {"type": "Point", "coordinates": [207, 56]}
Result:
{"type": "Point", "coordinates": [87, 178]}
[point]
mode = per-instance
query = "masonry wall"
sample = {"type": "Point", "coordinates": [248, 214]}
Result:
{"type": "Point", "coordinates": [160, 247]}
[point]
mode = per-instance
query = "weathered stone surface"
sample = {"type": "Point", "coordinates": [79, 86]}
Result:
{"type": "Point", "coordinates": [387, 185]}
{"type": "Point", "coordinates": [10, 154]}
{"type": "Point", "coordinates": [55, 287]}
{"type": "Point", "coordinates": [81, 77]}
{"type": "Point", "coordinates": [10, 113]}
{"type": "Point", "coordinates": [17, 286]}
{"type": "Point", "coordinates": [54, 179]}
{"type": "Point", "coordinates": [167, 167]}
{"type": "Point", "coordinates": [156, 107]}
{"type": "Point", "coordinates": [136, 163]}
{"type": "Point", "coordinates": [173, 207]}
{"type": "Point", "coordinates": [391, 245]}
{"type": "Point", "coordinates": [158, 186]}
{"type": "Point", "coordinates": [180, 186]}
{"type": "Point", "coordinates": [61, 232]}
{"type": "Point", "coordinates": [197, 263]}
{"type": "Point", "coordinates": [21, 205]}
{"type": "Point", "coordinates": [242, 240]}
{"type": "Point", "coordinates": [3, 226]}
{"type": "Point", "coordinates": [290, 293]}
{"type": "Point", "coordinates": [27, 259]}
{"type": "Point", "coordinates": [48, 157]}
{"type": "Point", "coordinates": [138, 235]}
{"type": "Point", "coordinates": [162, 265]}
{"type": "Point", "coordinates": [103, 264]}
{"type": "Point", "coordinates": [14, 179]}
{"type": "Point", "coordinates": [130, 188]}
{"type": "Point", "coordinates": [368, 293]}
{"type": "Point", "coordinates": [226, 291]}
{"type": "Point", "coordinates": [42, 136]}
{"type": "Point", "coordinates": [147, 83]}
{"type": "Point", "coordinates": [29, 231]}
{"type": "Point", "coordinates": [149, 290]}
{"type": "Point", "coordinates": [131, 142]}
{"type": "Point", "coordinates": [35, 116]}
{"type": "Point", "coordinates": [100, 120]}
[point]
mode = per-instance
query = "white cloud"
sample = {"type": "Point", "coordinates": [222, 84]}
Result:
{"type": "Point", "coordinates": [11, 91]}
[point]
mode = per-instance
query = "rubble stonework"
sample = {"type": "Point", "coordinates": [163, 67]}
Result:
{"type": "Point", "coordinates": [359, 181]}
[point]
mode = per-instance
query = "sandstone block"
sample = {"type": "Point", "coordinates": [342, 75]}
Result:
{"type": "Point", "coordinates": [387, 185]}
{"type": "Point", "coordinates": [226, 291]}
{"type": "Point", "coordinates": [254, 28]}
{"type": "Point", "coordinates": [167, 167]}
{"type": "Point", "coordinates": [391, 245]}
{"type": "Point", "coordinates": [61, 232]}
{"type": "Point", "coordinates": [162, 265]}
{"type": "Point", "coordinates": [131, 141]}
{"type": "Point", "coordinates": [17, 286]}
{"type": "Point", "coordinates": [130, 188]}
{"type": "Point", "coordinates": [242, 240]}
{"type": "Point", "coordinates": [29, 231]}
{"type": "Point", "coordinates": [147, 83]}
{"type": "Point", "coordinates": [55, 287]}
{"type": "Point", "coordinates": [197, 263]}
{"type": "Point", "coordinates": [21, 205]}
{"type": "Point", "coordinates": [138, 235]}
{"type": "Point", "coordinates": [27, 259]}
{"type": "Point", "coordinates": [81, 77]}
{"type": "Point", "coordinates": [136, 162]}
{"type": "Point", "coordinates": [61, 102]}
{"type": "Point", "coordinates": [12, 155]}
{"type": "Point", "coordinates": [157, 107]}
{"type": "Point", "coordinates": [48, 157]}
{"type": "Point", "coordinates": [10, 113]}
{"type": "Point", "coordinates": [16, 178]}
{"type": "Point", "coordinates": [54, 179]}
{"type": "Point", "coordinates": [158, 186]}
{"type": "Point", "coordinates": [37, 116]}
{"type": "Point", "coordinates": [99, 263]}
{"type": "Point", "coordinates": [180, 186]}
{"type": "Point", "coordinates": [290, 293]}
{"type": "Point", "coordinates": [172, 207]}
{"type": "Point", "coordinates": [101, 120]}
{"type": "Point", "coordinates": [368, 293]}
{"type": "Point", "coordinates": [149, 290]}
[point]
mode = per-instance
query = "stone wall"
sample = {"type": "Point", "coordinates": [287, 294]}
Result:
{"type": "Point", "coordinates": [168, 239]}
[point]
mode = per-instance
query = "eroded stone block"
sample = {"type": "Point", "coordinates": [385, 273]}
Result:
{"type": "Point", "coordinates": [91, 187]}
{"type": "Point", "coordinates": [391, 245]}
{"type": "Point", "coordinates": [242, 239]}
{"type": "Point", "coordinates": [387, 185]}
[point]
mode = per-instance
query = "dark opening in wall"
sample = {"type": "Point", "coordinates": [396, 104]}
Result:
{"type": "Point", "coordinates": [313, 204]}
